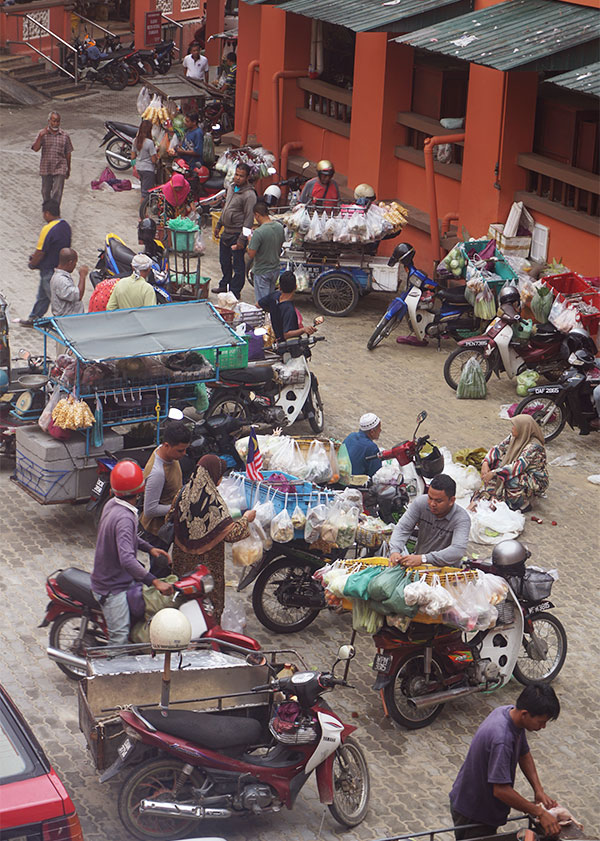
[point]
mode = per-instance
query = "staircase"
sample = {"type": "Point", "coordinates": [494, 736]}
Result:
{"type": "Point", "coordinates": [41, 79]}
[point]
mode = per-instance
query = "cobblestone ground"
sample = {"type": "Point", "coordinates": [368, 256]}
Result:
{"type": "Point", "coordinates": [411, 772]}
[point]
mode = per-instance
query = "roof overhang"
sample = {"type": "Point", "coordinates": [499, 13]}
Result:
{"type": "Point", "coordinates": [583, 80]}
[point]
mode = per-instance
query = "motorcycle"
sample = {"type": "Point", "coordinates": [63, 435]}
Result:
{"type": "Point", "coordinates": [207, 193]}
{"type": "Point", "coordinates": [77, 622]}
{"type": "Point", "coordinates": [567, 401]}
{"type": "Point", "coordinates": [259, 395]}
{"type": "Point", "coordinates": [109, 70]}
{"type": "Point", "coordinates": [420, 669]}
{"type": "Point", "coordinates": [218, 115]}
{"type": "Point", "coordinates": [189, 766]}
{"type": "Point", "coordinates": [114, 260]}
{"type": "Point", "coordinates": [163, 56]}
{"type": "Point", "coordinates": [432, 311]}
{"type": "Point", "coordinates": [118, 139]}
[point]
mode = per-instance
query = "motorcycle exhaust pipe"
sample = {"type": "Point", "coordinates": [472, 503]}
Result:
{"type": "Point", "coordinates": [441, 697]}
{"type": "Point", "coordinates": [181, 810]}
{"type": "Point", "coordinates": [120, 157]}
{"type": "Point", "coordinates": [66, 658]}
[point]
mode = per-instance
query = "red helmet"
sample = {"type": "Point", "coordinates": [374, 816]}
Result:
{"type": "Point", "coordinates": [127, 478]}
{"type": "Point", "coordinates": [203, 173]}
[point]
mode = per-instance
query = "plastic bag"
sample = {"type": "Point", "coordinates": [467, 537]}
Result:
{"type": "Point", "coordinates": [375, 222]}
{"type": "Point", "coordinates": [46, 416]}
{"type": "Point", "coordinates": [318, 466]}
{"type": "Point", "coordinates": [233, 494]}
{"type": "Point", "coordinates": [471, 385]}
{"type": "Point", "coordinates": [364, 618]}
{"type": "Point", "coordinates": [328, 232]}
{"type": "Point", "coordinates": [208, 150]}
{"type": "Point", "coordinates": [541, 304]}
{"type": "Point", "coordinates": [564, 318]}
{"type": "Point", "coordinates": [282, 528]}
{"type": "Point", "coordinates": [286, 456]}
{"type": "Point", "coordinates": [265, 511]}
{"type": "Point", "coordinates": [302, 280]}
{"type": "Point", "coordinates": [143, 100]}
{"type": "Point", "coordinates": [527, 379]}
{"type": "Point", "coordinates": [485, 304]}
{"type": "Point", "coordinates": [234, 615]}
{"type": "Point", "coordinates": [315, 517]}
{"type": "Point", "coordinates": [344, 463]}
{"type": "Point", "coordinates": [249, 550]}
{"type": "Point", "coordinates": [315, 229]}
{"type": "Point", "coordinates": [490, 526]}
{"type": "Point", "coordinates": [298, 518]}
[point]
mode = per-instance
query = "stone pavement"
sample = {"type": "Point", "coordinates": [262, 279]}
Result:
{"type": "Point", "coordinates": [411, 772]}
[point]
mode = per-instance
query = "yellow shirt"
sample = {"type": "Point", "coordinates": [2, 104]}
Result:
{"type": "Point", "coordinates": [131, 291]}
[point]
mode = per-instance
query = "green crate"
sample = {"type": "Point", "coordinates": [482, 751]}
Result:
{"type": "Point", "coordinates": [228, 357]}
{"type": "Point", "coordinates": [502, 269]}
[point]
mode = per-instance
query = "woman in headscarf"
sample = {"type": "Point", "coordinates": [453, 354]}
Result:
{"type": "Point", "coordinates": [202, 526]}
{"type": "Point", "coordinates": [515, 471]}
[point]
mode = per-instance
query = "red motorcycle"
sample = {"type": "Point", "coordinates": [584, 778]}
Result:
{"type": "Point", "coordinates": [207, 193]}
{"type": "Point", "coordinates": [77, 622]}
{"type": "Point", "coordinates": [190, 766]}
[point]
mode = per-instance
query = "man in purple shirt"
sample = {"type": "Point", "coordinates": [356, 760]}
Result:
{"type": "Point", "coordinates": [116, 566]}
{"type": "Point", "coordinates": [483, 792]}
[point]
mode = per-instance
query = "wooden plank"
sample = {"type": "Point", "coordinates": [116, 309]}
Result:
{"type": "Point", "coordinates": [562, 172]}
{"type": "Point", "coordinates": [323, 122]}
{"type": "Point", "coordinates": [590, 224]}
{"type": "Point", "coordinates": [427, 125]}
{"type": "Point", "coordinates": [325, 89]}
{"type": "Point", "coordinates": [416, 156]}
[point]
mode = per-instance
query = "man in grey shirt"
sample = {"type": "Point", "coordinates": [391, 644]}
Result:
{"type": "Point", "coordinates": [443, 528]}
{"type": "Point", "coordinates": [65, 296]}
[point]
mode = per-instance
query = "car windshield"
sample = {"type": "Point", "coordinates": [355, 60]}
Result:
{"type": "Point", "coordinates": [15, 761]}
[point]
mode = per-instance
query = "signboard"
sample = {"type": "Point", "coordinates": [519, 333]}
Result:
{"type": "Point", "coordinates": [153, 28]}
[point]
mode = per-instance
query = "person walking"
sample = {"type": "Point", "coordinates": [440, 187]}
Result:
{"type": "Point", "coordinates": [195, 64]}
{"type": "Point", "coordinates": [55, 161]}
{"type": "Point", "coordinates": [483, 792]}
{"type": "Point", "coordinates": [54, 236]}
{"type": "Point", "coordinates": [65, 295]}
{"type": "Point", "coordinates": [134, 290]}
{"type": "Point", "coordinates": [264, 251]}
{"type": "Point", "coordinates": [236, 218]}
{"type": "Point", "coordinates": [144, 156]}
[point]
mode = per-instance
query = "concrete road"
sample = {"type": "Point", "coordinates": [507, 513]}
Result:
{"type": "Point", "coordinates": [411, 772]}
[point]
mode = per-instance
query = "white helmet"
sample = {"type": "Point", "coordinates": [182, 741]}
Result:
{"type": "Point", "coordinates": [364, 191]}
{"type": "Point", "coordinates": [170, 630]}
{"type": "Point", "coordinates": [272, 195]}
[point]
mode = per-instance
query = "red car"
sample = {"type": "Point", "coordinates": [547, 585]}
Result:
{"type": "Point", "coordinates": [33, 802]}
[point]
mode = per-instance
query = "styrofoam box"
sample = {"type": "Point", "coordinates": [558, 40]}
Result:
{"type": "Point", "coordinates": [385, 278]}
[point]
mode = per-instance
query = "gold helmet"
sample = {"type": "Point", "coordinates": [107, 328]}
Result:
{"type": "Point", "coordinates": [325, 168]}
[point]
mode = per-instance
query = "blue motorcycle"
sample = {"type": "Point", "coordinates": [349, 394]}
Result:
{"type": "Point", "coordinates": [420, 302]}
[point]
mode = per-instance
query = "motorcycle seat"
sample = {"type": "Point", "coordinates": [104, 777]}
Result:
{"type": "Point", "coordinates": [77, 584]}
{"type": "Point", "coordinates": [145, 53]}
{"type": "Point", "coordinates": [260, 375]}
{"type": "Point", "coordinates": [452, 296]}
{"type": "Point", "coordinates": [122, 254]}
{"type": "Point", "coordinates": [215, 732]}
{"type": "Point", "coordinates": [215, 182]}
{"type": "Point", "coordinates": [124, 128]}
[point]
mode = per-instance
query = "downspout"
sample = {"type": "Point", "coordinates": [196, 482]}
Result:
{"type": "Point", "coordinates": [449, 217]}
{"type": "Point", "coordinates": [430, 142]}
{"type": "Point", "coordinates": [292, 146]}
{"type": "Point", "coordinates": [252, 67]}
{"type": "Point", "coordinates": [281, 74]}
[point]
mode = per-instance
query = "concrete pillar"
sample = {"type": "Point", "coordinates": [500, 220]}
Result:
{"type": "Point", "coordinates": [248, 49]}
{"type": "Point", "coordinates": [215, 22]}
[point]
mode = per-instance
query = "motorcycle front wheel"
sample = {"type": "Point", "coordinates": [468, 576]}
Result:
{"type": "Point", "coordinates": [408, 682]}
{"type": "Point", "coordinates": [268, 599]}
{"type": "Point", "coordinates": [153, 207]}
{"type": "Point", "coordinates": [226, 405]}
{"type": "Point", "coordinates": [549, 416]}
{"type": "Point", "coordinates": [382, 331]}
{"type": "Point", "coordinates": [458, 359]}
{"type": "Point", "coordinates": [157, 780]}
{"type": "Point", "coordinates": [351, 784]}
{"type": "Point", "coordinates": [542, 662]}
{"type": "Point", "coordinates": [64, 635]}
{"type": "Point", "coordinates": [133, 75]}
{"type": "Point", "coordinates": [117, 79]}
{"type": "Point", "coordinates": [317, 421]}
{"type": "Point", "coordinates": [116, 146]}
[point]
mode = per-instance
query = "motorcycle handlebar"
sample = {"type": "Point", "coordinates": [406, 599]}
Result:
{"type": "Point", "coordinates": [264, 687]}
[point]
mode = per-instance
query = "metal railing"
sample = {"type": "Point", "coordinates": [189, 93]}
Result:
{"type": "Point", "coordinates": [174, 23]}
{"type": "Point", "coordinates": [56, 40]}
{"type": "Point", "coordinates": [93, 24]}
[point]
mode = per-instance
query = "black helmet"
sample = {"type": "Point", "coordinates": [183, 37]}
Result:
{"type": "Point", "coordinates": [402, 253]}
{"type": "Point", "coordinates": [509, 295]}
{"type": "Point", "coordinates": [147, 231]}
{"type": "Point", "coordinates": [432, 464]}
{"type": "Point", "coordinates": [579, 339]}
{"type": "Point", "coordinates": [509, 557]}
{"type": "Point", "coordinates": [582, 359]}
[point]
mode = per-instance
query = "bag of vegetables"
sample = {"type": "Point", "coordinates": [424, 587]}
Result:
{"type": "Point", "coordinates": [541, 304]}
{"type": "Point", "coordinates": [453, 263]}
{"type": "Point", "coordinates": [485, 304]}
{"type": "Point", "coordinates": [471, 385]}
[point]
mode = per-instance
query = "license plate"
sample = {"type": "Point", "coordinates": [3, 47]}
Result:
{"type": "Point", "coordinates": [539, 607]}
{"type": "Point", "coordinates": [125, 749]}
{"type": "Point", "coordinates": [98, 487]}
{"type": "Point", "coordinates": [382, 663]}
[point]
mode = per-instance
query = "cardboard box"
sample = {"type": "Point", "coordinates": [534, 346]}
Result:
{"type": "Point", "coordinates": [512, 246]}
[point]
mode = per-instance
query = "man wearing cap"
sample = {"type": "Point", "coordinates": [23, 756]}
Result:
{"type": "Point", "coordinates": [134, 291]}
{"type": "Point", "coordinates": [361, 444]}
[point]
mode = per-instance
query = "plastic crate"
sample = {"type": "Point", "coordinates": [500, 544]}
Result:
{"type": "Point", "coordinates": [569, 283]}
{"type": "Point", "coordinates": [227, 357]}
{"type": "Point", "coordinates": [501, 267]}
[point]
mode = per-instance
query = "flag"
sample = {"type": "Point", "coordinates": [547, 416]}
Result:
{"type": "Point", "coordinates": [254, 461]}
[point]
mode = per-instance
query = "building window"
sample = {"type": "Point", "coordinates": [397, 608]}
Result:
{"type": "Point", "coordinates": [338, 54]}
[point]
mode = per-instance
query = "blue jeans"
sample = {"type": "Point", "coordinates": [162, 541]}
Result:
{"type": "Point", "coordinates": [264, 284]}
{"type": "Point", "coordinates": [116, 613]}
{"type": "Point", "coordinates": [42, 302]}
{"type": "Point", "coordinates": [231, 259]}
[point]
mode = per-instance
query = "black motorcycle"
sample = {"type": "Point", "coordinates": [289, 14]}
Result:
{"type": "Point", "coordinates": [109, 70]}
{"type": "Point", "coordinates": [118, 139]}
{"type": "Point", "coordinates": [570, 400]}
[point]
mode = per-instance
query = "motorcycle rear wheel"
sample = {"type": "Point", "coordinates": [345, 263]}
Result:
{"type": "Point", "coordinates": [351, 784]}
{"type": "Point", "coordinates": [553, 636]}
{"type": "Point", "coordinates": [133, 75]}
{"type": "Point", "coordinates": [267, 605]}
{"type": "Point", "coordinates": [539, 407]}
{"type": "Point", "coordinates": [407, 680]}
{"type": "Point", "coordinates": [156, 780]}
{"type": "Point", "coordinates": [226, 405]}
{"type": "Point", "coordinates": [382, 331]}
{"type": "Point", "coordinates": [117, 80]}
{"type": "Point", "coordinates": [453, 369]}
{"type": "Point", "coordinates": [317, 421]}
{"type": "Point", "coordinates": [116, 146]}
{"type": "Point", "coordinates": [64, 633]}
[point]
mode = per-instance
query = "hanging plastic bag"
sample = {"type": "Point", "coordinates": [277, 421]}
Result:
{"type": "Point", "coordinates": [143, 100]}
{"type": "Point", "coordinates": [318, 466]}
{"type": "Point", "coordinates": [314, 233]}
{"type": "Point", "coordinates": [282, 528]}
{"type": "Point", "coordinates": [286, 456]}
{"type": "Point", "coordinates": [315, 517]}
{"type": "Point", "coordinates": [46, 416]}
{"type": "Point", "coordinates": [485, 304]}
{"type": "Point", "coordinates": [249, 550]}
{"type": "Point", "coordinates": [265, 511]}
{"type": "Point", "coordinates": [471, 385]}
{"type": "Point", "coordinates": [298, 518]}
{"type": "Point", "coordinates": [364, 618]}
{"type": "Point", "coordinates": [344, 464]}
{"type": "Point", "coordinates": [527, 379]}
{"type": "Point", "coordinates": [234, 614]}
{"type": "Point", "coordinates": [234, 495]}
{"type": "Point", "coordinates": [201, 404]}
{"type": "Point", "coordinates": [541, 303]}
{"type": "Point", "coordinates": [208, 150]}
{"type": "Point", "coordinates": [98, 432]}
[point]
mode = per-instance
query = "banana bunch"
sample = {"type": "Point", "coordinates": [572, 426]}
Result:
{"type": "Point", "coordinates": [156, 113]}
{"type": "Point", "coordinates": [70, 413]}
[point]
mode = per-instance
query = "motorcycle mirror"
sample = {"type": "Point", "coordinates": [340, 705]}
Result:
{"type": "Point", "coordinates": [346, 652]}
{"type": "Point", "coordinates": [256, 659]}
{"type": "Point", "coordinates": [271, 170]}
{"type": "Point", "coordinates": [318, 320]}
{"type": "Point", "coordinates": [306, 164]}
{"type": "Point", "coordinates": [421, 417]}
{"type": "Point", "coordinates": [175, 414]}
{"type": "Point", "coordinates": [216, 127]}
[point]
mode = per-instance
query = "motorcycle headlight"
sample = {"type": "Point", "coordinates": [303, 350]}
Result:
{"type": "Point", "coordinates": [208, 582]}
{"type": "Point", "coordinates": [160, 277]}
{"type": "Point", "coordinates": [415, 281]}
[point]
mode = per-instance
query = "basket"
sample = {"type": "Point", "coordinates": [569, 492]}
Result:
{"type": "Point", "coordinates": [182, 240]}
{"type": "Point", "coordinates": [228, 316]}
{"type": "Point", "coordinates": [371, 539]}
{"type": "Point", "coordinates": [227, 357]}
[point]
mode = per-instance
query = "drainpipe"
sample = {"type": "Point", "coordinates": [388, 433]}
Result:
{"type": "Point", "coordinates": [281, 74]}
{"type": "Point", "coordinates": [430, 142]}
{"type": "Point", "coordinates": [292, 146]}
{"type": "Point", "coordinates": [252, 67]}
{"type": "Point", "coordinates": [449, 217]}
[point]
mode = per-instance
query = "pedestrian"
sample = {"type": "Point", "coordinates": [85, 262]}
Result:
{"type": "Point", "coordinates": [134, 290]}
{"type": "Point", "coordinates": [144, 156]}
{"type": "Point", "coordinates": [361, 444]}
{"type": "Point", "coordinates": [483, 792]}
{"type": "Point", "coordinates": [264, 251]}
{"type": "Point", "coordinates": [54, 236]}
{"type": "Point", "coordinates": [202, 526]}
{"type": "Point", "coordinates": [55, 161]}
{"type": "Point", "coordinates": [164, 480]}
{"type": "Point", "coordinates": [195, 64]}
{"type": "Point", "coordinates": [65, 295]}
{"type": "Point", "coordinates": [191, 148]}
{"type": "Point", "coordinates": [283, 313]}
{"type": "Point", "coordinates": [236, 221]}
{"type": "Point", "coordinates": [116, 566]}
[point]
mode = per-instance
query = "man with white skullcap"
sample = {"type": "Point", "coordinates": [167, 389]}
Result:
{"type": "Point", "coordinates": [361, 444]}
{"type": "Point", "coordinates": [134, 291]}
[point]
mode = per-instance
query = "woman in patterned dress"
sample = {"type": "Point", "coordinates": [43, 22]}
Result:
{"type": "Point", "coordinates": [515, 470]}
{"type": "Point", "coordinates": [202, 526]}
